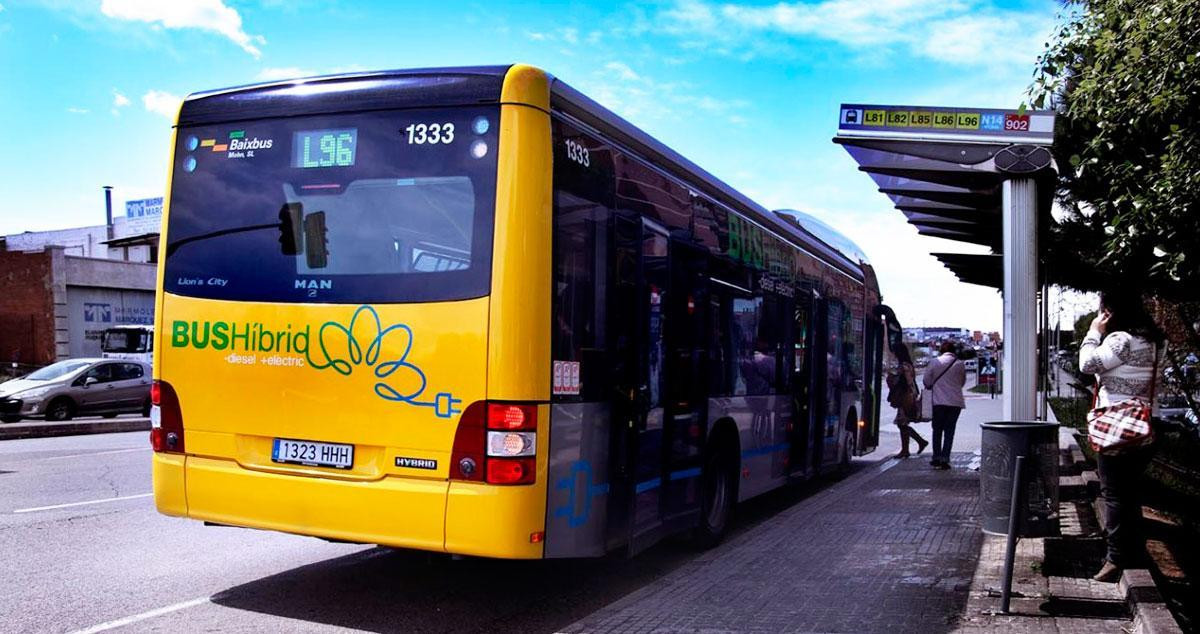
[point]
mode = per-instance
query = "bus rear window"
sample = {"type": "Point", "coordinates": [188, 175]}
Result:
{"type": "Point", "coordinates": [376, 207]}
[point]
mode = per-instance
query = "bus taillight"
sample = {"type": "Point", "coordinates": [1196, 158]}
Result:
{"type": "Point", "coordinates": [496, 443]}
{"type": "Point", "coordinates": [166, 419]}
{"type": "Point", "coordinates": [512, 416]}
{"type": "Point", "coordinates": [510, 470]}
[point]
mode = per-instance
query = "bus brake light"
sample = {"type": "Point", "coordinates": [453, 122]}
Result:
{"type": "Point", "coordinates": [166, 419]}
{"type": "Point", "coordinates": [496, 443]}
{"type": "Point", "coordinates": [510, 470]}
{"type": "Point", "coordinates": [511, 416]}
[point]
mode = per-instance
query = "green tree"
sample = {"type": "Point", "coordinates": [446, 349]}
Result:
{"type": "Point", "coordinates": [1124, 78]}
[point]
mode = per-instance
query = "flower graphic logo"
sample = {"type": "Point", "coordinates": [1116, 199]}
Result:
{"type": "Point", "coordinates": [340, 347]}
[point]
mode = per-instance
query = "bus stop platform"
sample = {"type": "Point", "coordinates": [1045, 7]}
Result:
{"type": "Point", "coordinates": [895, 547]}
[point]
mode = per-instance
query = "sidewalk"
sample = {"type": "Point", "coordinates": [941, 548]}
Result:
{"type": "Point", "coordinates": [43, 429]}
{"type": "Point", "coordinates": [891, 549]}
{"type": "Point", "coordinates": [895, 548]}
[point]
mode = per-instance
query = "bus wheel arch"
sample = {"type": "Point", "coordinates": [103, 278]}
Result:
{"type": "Point", "coordinates": [719, 483]}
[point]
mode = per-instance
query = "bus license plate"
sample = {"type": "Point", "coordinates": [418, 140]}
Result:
{"type": "Point", "coordinates": [313, 454]}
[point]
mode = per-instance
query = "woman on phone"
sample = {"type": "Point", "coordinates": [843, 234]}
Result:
{"type": "Point", "coordinates": [1122, 349]}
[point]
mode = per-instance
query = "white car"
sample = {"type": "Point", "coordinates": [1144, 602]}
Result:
{"type": "Point", "coordinates": [971, 365]}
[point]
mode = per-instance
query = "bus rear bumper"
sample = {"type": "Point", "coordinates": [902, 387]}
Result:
{"type": "Point", "coordinates": [506, 522]}
{"type": "Point", "coordinates": [399, 512]}
{"type": "Point", "coordinates": [459, 517]}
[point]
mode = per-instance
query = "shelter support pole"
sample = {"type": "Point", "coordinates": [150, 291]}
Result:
{"type": "Point", "coordinates": [1020, 298]}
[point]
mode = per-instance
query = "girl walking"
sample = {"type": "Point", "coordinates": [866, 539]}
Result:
{"type": "Point", "coordinates": [902, 395]}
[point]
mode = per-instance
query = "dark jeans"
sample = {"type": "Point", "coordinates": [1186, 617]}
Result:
{"type": "Point", "coordinates": [945, 419]}
{"type": "Point", "coordinates": [1120, 479]}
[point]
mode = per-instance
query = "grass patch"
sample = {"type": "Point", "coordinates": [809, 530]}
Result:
{"type": "Point", "coordinates": [983, 389]}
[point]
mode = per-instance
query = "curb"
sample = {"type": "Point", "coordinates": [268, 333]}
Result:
{"type": "Point", "coordinates": [1150, 612]}
{"type": "Point", "coordinates": [16, 431]}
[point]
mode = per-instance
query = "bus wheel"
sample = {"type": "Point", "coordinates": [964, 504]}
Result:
{"type": "Point", "coordinates": [847, 453]}
{"type": "Point", "coordinates": [719, 491]}
{"type": "Point", "coordinates": [60, 409]}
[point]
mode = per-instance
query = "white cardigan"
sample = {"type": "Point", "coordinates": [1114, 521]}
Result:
{"type": "Point", "coordinates": [1123, 364]}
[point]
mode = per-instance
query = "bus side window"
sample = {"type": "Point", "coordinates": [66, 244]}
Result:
{"type": "Point", "coordinates": [582, 207]}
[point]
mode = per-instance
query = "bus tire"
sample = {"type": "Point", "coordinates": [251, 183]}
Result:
{"type": "Point", "coordinates": [60, 409]}
{"type": "Point", "coordinates": [718, 493]}
{"type": "Point", "coordinates": [848, 447]}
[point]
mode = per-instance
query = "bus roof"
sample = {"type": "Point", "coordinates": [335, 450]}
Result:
{"type": "Point", "coordinates": [471, 85]}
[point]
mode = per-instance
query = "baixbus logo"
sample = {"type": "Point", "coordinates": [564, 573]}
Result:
{"type": "Point", "coordinates": [238, 143]}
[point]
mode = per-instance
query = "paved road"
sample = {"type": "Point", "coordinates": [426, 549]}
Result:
{"type": "Point", "coordinates": [83, 549]}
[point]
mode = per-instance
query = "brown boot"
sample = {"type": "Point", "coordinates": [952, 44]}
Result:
{"type": "Point", "coordinates": [1109, 573]}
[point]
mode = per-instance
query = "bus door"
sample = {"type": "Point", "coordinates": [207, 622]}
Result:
{"type": "Point", "coordinates": [638, 317]}
{"type": "Point", "coordinates": [834, 380]}
{"type": "Point", "coordinates": [685, 423]}
{"type": "Point", "coordinates": [800, 461]}
{"type": "Point", "coordinates": [819, 381]}
{"type": "Point", "coordinates": [872, 380]}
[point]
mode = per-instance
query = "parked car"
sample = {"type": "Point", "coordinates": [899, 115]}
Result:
{"type": "Point", "coordinates": [77, 387]}
{"type": "Point", "coordinates": [971, 365]}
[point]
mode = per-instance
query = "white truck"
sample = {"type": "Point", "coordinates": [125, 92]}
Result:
{"type": "Point", "coordinates": [133, 341]}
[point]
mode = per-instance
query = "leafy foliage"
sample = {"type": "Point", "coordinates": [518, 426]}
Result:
{"type": "Point", "coordinates": [1124, 76]}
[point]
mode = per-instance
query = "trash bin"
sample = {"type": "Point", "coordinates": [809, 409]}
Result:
{"type": "Point", "coordinates": [1002, 442]}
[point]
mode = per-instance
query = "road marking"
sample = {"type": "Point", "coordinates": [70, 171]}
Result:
{"type": "Point", "coordinates": [63, 506]}
{"type": "Point", "coordinates": [109, 625]}
{"type": "Point", "coordinates": [98, 453]}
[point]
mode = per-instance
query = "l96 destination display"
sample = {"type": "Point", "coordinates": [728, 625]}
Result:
{"type": "Point", "coordinates": [324, 148]}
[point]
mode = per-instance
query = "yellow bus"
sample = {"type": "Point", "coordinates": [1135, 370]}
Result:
{"type": "Point", "coordinates": [471, 311]}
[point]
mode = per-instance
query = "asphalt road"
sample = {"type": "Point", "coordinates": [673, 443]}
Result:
{"type": "Point", "coordinates": [84, 550]}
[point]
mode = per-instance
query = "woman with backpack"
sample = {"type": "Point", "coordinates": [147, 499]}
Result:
{"type": "Point", "coordinates": [902, 395]}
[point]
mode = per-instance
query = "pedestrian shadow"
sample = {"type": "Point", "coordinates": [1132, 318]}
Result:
{"type": "Point", "coordinates": [386, 590]}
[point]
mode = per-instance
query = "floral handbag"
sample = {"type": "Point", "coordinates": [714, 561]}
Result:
{"type": "Point", "coordinates": [1122, 425]}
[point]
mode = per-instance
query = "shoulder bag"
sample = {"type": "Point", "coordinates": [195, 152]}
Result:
{"type": "Point", "coordinates": [925, 400]}
{"type": "Point", "coordinates": [1123, 425]}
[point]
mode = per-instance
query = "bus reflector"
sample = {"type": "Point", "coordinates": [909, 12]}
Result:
{"type": "Point", "coordinates": [467, 455]}
{"type": "Point", "coordinates": [166, 419]}
{"type": "Point", "coordinates": [537, 538]}
{"type": "Point", "coordinates": [512, 416]}
{"type": "Point", "coordinates": [510, 470]}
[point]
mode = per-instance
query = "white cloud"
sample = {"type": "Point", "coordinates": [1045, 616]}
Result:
{"type": "Point", "coordinates": [74, 110]}
{"type": "Point", "coordinates": [960, 32]}
{"type": "Point", "coordinates": [206, 15]}
{"type": "Point", "coordinates": [622, 71]}
{"type": "Point", "coordinates": [162, 103]}
{"type": "Point", "coordinates": [119, 101]}
{"type": "Point", "coordinates": [287, 72]}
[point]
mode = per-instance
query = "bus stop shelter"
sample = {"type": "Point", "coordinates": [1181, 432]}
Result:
{"type": "Point", "coordinates": [975, 175]}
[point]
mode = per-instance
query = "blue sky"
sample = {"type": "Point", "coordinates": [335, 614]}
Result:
{"type": "Point", "coordinates": [747, 90]}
